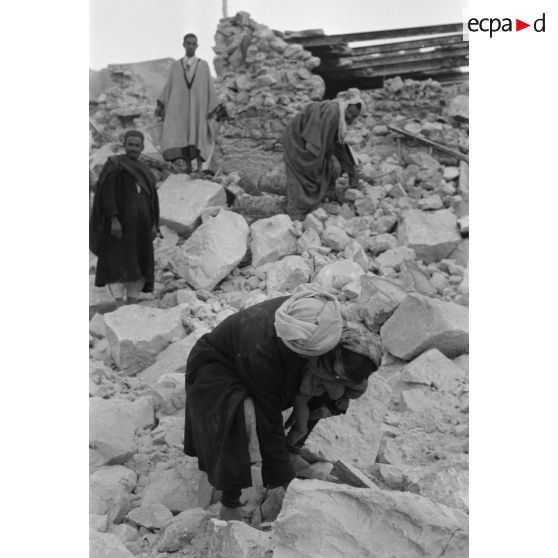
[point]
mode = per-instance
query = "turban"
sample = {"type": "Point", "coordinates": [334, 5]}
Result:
{"type": "Point", "coordinates": [357, 338]}
{"type": "Point", "coordinates": [309, 322]}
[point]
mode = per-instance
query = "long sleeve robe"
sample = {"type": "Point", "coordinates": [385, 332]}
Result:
{"type": "Point", "coordinates": [186, 110]}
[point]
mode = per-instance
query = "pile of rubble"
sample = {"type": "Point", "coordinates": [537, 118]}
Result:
{"type": "Point", "coordinates": [395, 250]}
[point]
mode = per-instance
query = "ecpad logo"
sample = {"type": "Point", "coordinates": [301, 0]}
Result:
{"type": "Point", "coordinates": [495, 24]}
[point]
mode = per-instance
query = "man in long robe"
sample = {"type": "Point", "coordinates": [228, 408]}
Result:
{"type": "Point", "coordinates": [124, 222]}
{"type": "Point", "coordinates": [185, 104]}
{"type": "Point", "coordinates": [256, 354]}
{"type": "Point", "coordinates": [315, 153]}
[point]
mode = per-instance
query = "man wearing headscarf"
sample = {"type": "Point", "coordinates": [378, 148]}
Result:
{"type": "Point", "coordinates": [124, 222]}
{"type": "Point", "coordinates": [258, 355]}
{"type": "Point", "coordinates": [316, 154]}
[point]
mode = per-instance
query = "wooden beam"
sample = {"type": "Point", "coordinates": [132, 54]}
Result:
{"type": "Point", "coordinates": [431, 143]}
{"type": "Point", "coordinates": [426, 42]}
{"type": "Point", "coordinates": [383, 61]}
{"type": "Point", "coordinates": [384, 34]}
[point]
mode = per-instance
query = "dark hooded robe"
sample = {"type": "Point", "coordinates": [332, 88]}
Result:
{"type": "Point", "coordinates": [126, 189]}
{"type": "Point", "coordinates": [310, 144]}
{"type": "Point", "coordinates": [242, 357]}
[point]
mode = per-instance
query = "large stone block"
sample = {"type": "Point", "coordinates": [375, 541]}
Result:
{"type": "Point", "coordinates": [212, 251]}
{"type": "Point", "coordinates": [151, 516]}
{"type": "Point", "coordinates": [421, 323]}
{"type": "Point", "coordinates": [137, 334]}
{"type": "Point", "coordinates": [172, 359]}
{"type": "Point", "coordinates": [272, 239]}
{"type": "Point", "coordinates": [432, 368]}
{"type": "Point", "coordinates": [286, 274]}
{"type": "Point", "coordinates": [183, 200]}
{"type": "Point", "coordinates": [337, 274]}
{"type": "Point", "coordinates": [325, 519]}
{"type": "Point", "coordinates": [109, 491]}
{"type": "Point", "coordinates": [174, 485]}
{"type": "Point", "coordinates": [111, 430]}
{"type": "Point", "coordinates": [106, 545]}
{"type": "Point", "coordinates": [433, 235]}
{"type": "Point", "coordinates": [236, 539]}
{"type": "Point", "coordinates": [355, 436]}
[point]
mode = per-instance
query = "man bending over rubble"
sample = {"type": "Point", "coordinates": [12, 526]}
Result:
{"type": "Point", "coordinates": [286, 351]}
{"type": "Point", "coordinates": [315, 152]}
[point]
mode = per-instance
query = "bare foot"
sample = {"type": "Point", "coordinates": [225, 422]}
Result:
{"type": "Point", "coordinates": [230, 514]}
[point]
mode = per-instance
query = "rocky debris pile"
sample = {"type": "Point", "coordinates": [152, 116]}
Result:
{"type": "Point", "coordinates": [394, 249]}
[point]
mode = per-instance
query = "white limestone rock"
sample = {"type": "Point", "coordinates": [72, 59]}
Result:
{"type": "Point", "coordinates": [172, 359]}
{"type": "Point", "coordinates": [272, 239]}
{"type": "Point", "coordinates": [335, 237]}
{"type": "Point", "coordinates": [109, 491]}
{"type": "Point", "coordinates": [236, 539]}
{"type": "Point", "coordinates": [106, 545]}
{"type": "Point", "coordinates": [422, 323]}
{"type": "Point", "coordinates": [169, 394]}
{"type": "Point", "coordinates": [381, 243]}
{"type": "Point", "coordinates": [213, 250]}
{"type": "Point", "coordinates": [395, 256]}
{"type": "Point", "coordinates": [355, 436]}
{"type": "Point", "coordinates": [97, 326]}
{"type": "Point", "coordinates": [325, 519]}
{"type": "Point", "coordinates": [151, 516]}
{"type": "Point", "coordinates": [432, 368]}
{"type": "Point", "coordinates": [310, 240]}
{"type": "Point", "coordinates": [174, 484]}
{"type": "Point", "coordinates": [433, 235]}
{"type": "Point", "coordinates": [338, 274]}
{"type": "Point", "coordinates": [286, 274]}
{"type": "Point", "coordinates": [459, 108]}
{"type": "Point", "coordinates": [137, 334]}
{"type": "Point", "coordinates": [182, 529]}
{"type": "Point", "coordinates": [183, 200]}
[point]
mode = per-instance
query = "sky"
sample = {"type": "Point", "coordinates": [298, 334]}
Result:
{"type": "Point", "coordinates": [123, 31]}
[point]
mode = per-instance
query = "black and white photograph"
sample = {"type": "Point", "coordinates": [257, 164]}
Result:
{"type": "Point", "coordinates": [280, 338]}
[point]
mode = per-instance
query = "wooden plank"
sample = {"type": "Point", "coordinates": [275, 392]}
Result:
{"type": "Point", "coordinates": [403, 45]}
{"type": "Point", "coordinates": [383, 34]}
{"type": "Point", "coordinates": [431, 143]}
{"type": "Point", "coordinates": [383, 61]}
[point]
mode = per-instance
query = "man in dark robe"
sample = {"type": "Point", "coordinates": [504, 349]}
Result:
{"type": "Point", "coordinates": [244, 357]}
{"type": "Point", "coordinates": [124, 222]}
{"type": "Point", "coordinates": [315, 153]}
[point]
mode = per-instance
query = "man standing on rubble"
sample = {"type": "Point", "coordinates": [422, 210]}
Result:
{"type": "Point", "coordinates": [124, 222]}
{"type": "Point", "coordinates": [186, 106]}
{"type": "Point", "coordinates": [315, 152]}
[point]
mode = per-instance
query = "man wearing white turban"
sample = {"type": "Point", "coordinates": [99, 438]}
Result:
{"type": "Point", "coordinates": [256, 360]}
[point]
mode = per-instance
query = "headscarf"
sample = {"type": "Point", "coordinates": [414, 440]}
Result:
{"type": "Point", "coordinates": [309, 322]}
{"type": "Point", "coordinates": [356, 337]}
{"type": "Point", "coordinates": [352, 99]}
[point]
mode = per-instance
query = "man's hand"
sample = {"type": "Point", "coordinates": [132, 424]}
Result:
{"type": "Point", "coordinates": [115, 227]}
{"type": "Point", "coordinates": [295, 434]}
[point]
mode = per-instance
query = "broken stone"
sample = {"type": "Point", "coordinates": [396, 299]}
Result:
{"type": "Point", "coordinates": [172, 359]}
{"type": "Point", "coordinates": [175, 485]}
{"type": "Point", "coordinates": [99, 522]}
{"type": "Point", "coordinates": [272, 503]}
{"type": "Point", "coordinates": [236, 539]}
{"type": "Point", "coordinates": [414, 400]}
{"type": "Point", "coordinates": [381, 243]}
{"type": "Point", "coordinates": [213, 250]}
{"type": "Point", "coordinates": [169, 394]}
{"type": "Point", "coordinates": [338, 274]}
{"type": "Point", "coordinates": [109, 491]}
{"type": "Point", "coordinates": [461, 254]}
{"type": "Point", "coordinates": [106, 545]}
{"type": "Point", "coordinates": [463, 224]}
{"type": "Point", "coordinates": [124, 532]}
{"type": "Point", "coordinates": [451, 173]}
{"type": "Point", "coordinates": [421, 323]}
{"type": "Point", "coordinates": [286, 274]}
{"type": "Point", "coordinates": [272, 239]}
{"type": "Point", "coordinates": [136, 334]}
{"type": "Point", "coordinates": [335, 237]}
{"type": "Point", "coordinates": [312, 221]}
{"type": "Point", "coordinates": [395, 190]}
{"type": "Point", "coordinates": [414, 279]}
{"type": "Point", "coordinates": [310, 240]}
{"type": "Point", "coordinates": [97, 326]}
{"type": "Point", "coordinates": [384, 224]}
{"type": "Point", "coordinates": [100, 299]}
{"type": "Point", "coordinates": [354, 437]}
{"type": "Point", "coordinates": [432, 235]}
{"type": "Point", "coordinates": [183, 200]}
{"type": "Point", "coordinates": [431, 203]}
{"type": "Point", "coordinates": [432, 368]}
{"type": "Point", "coordinates": [459, 108]}
{"type": "Point", "coordinates": [170, 431]}
{"type": "Point", "coordinates": [390, 523]}
{"type": "Point", "coordinates": [151, 516]}
{"type": "Point", "coordinates": [395, 256]}
{"type": "Point", "coordinates": [182, 529]}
